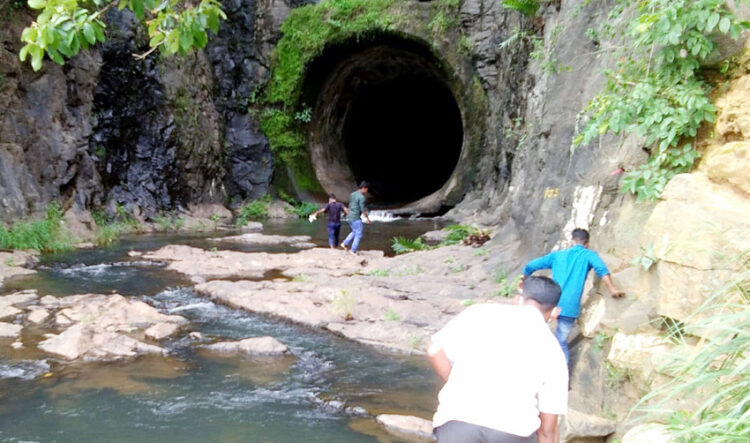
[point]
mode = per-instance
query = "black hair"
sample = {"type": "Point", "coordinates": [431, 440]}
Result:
{"type": "Point", "coordinates": [543, 290]}
{"type": "Point", "coordinates": [364, 184]}
{"type": "Point", "coordinates": [580, 235]}
{"type": "Point", "coordinates": [332, 195]}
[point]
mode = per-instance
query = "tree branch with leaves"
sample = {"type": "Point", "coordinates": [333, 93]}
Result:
{"type": "Point", "coordinates": [65, 27]}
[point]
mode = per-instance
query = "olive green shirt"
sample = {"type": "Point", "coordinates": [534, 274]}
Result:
{"type": "Point", "coordinates": [356, 206]}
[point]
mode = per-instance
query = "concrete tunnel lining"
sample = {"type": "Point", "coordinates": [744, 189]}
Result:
{"type": "Point", "coordinates": [383, 112]}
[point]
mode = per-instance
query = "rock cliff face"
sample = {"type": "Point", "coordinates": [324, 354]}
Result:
{"type": "Point", "coordinates": [164, 133]}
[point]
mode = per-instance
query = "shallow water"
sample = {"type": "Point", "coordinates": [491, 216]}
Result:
{"type": "Point", "coordinates": [318, 395]}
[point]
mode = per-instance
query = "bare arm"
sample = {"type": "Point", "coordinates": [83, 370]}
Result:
{"type": "Point", "coordinates": [439, 361]}
{"type": "Point", "coordinates": [346, 210]}
{"type": "Point", "coordinates": [607, 279]}
{"type": "Point", "coordinates": [319, 211]}
{"type": "Point", "coordinates": [548, 431]}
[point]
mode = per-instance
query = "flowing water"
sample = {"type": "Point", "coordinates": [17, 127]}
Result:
{"type": "Point", "coordinates": [327, 392]}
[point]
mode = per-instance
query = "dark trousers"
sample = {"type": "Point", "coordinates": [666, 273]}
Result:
{"type": "Point", "coordinates": [462, 432]}
{"type": "Point", "coordinates": [333, 234]}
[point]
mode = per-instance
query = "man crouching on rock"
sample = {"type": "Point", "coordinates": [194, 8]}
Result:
{"type": "Point", "coordinates": [506, 379]}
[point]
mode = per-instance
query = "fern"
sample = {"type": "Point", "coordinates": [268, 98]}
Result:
{"type": "Point", "coordinates": [402, 245]}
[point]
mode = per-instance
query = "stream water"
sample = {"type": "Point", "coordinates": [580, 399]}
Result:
{"type": "Point", "coordinates": [327, 392]}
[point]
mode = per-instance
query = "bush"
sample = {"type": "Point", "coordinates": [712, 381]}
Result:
{"type": "Point", "coordinates": [110, 229]}
{"type": "Point", "coordinates": [168, 222]}
{"type": "Point", "coordinates": [304, 209]}
{"type": "Point", "coordinates": [255, 210]}
{"type": "Point", "coordinates": [47, 235]}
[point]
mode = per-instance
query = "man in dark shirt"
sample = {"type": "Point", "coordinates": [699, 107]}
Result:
{"type": "Point", "coordinates": [357, 208]}
{"type": "Point", "coordinates": [333, 211]}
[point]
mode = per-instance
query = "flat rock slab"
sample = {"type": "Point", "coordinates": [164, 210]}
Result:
{"type": "Point", "coordinates": [256, 239]}
{"type": "Point", "coordinates": [254, 265]}
{"type": "Point", "coordinates": [266, 346]}
{"type": "Point", "coordinates": [406, 424]}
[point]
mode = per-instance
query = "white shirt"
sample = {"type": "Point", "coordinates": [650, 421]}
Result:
{"type": "Point", "coordinates": [507, 368]}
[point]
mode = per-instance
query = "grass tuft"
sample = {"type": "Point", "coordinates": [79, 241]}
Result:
{"type": "Point", "coordinates": [46, 235]}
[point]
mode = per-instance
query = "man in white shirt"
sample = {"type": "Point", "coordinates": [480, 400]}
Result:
{"type": "Point", "coordinates": [506, 376]}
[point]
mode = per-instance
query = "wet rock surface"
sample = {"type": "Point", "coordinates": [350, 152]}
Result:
{"type": "Point", "coordinates": [395, 303]}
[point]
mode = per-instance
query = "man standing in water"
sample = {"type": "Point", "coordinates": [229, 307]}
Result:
{"type": "Point", "coordinates": [356, 209]}
{"type": "Point", "coordinates": [505, 375]}
{"type": "Point", "coordinates": [333, 212]}
{"type": "Point", "coordinates": [570, 267]}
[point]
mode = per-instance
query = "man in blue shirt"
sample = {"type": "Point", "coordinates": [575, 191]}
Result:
{"type": "Point", "coordinates": [570, 267]}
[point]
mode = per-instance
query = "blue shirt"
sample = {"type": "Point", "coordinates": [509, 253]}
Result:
{"type": "Point", "coordinates": [570, 267]}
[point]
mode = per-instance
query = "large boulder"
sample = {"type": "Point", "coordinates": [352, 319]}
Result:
{"type": "Point", "coordinates": [729, 163]}
{"type": "Point", "coordinates": [713, 225]}
{"type": "Point", "coordinates": [90, 342]}
{"type": "Point", "coordinates": [643, 356]}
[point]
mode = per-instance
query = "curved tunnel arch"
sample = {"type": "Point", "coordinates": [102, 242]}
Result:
{"type": "Point", "coordinates": [383, 111]}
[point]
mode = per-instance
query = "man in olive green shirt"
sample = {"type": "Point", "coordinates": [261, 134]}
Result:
{"type": "Point", "coordinates": [356, 209]}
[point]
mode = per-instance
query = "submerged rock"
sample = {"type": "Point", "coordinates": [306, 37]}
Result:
{"type": "Point", "coordinates": [297, 241]}
{"type": "Point", "coordinates": [251, 346]}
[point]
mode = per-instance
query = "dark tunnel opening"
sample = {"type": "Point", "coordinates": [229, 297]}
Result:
{"type": "Point", "coordinates": [404, 137]}
{"type": "Point", "coordinates": [384, 113]}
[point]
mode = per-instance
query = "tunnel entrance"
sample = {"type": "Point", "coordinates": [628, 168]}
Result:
{"type": "Point", "coordinates": [383, 112]}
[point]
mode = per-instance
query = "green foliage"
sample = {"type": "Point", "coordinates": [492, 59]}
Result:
{"type": "Point", "coordinates": [110, 229]}
{"type": "Point", "coordinates": [409, 271]}
{"type": "Point", "coordinates": [301, 278]}
{"type": "Point", "coordinates": [306, 33]}
{"type": "Point", "coordinates": [461, 233]}
{"type": "Point", "coordinates": [525, 7]}
{"type": "Point", "coordinates": [168, 222]}
{"type": "Point", "coordinates": [402, 245]}
{"type": "Point", "coordinates": [304, 209]}
{"type": "Point", "coordinates": [46, 235]}
{"type": "Point", "coordinates": [465, 45]}
{"type": "Point", "coordinates": [255, 210]}
{"type": "Point", "coordinates": [343, 305]}
{"type": "Point", "coordinates": [646, 259]}
{"type": "Point", "coordinates": [508, 286]}
{"type": "Point", "coordinates": [379, 273]}
{"type": "Point", "coordinates": [658, 90]}
{"type": "Point", "coordinates": [716, 374]}
{"type": "Point", "coordinates": [468, 302]}
{"type": "Point", "coordinates": [391, 315]}
{"type": "Point", "coordinates": [64, 27]}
